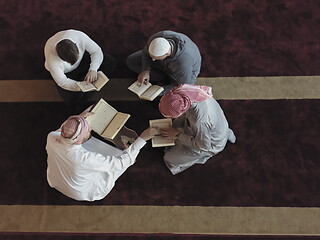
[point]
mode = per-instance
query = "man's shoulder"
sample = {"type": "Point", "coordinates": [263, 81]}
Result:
{"type": "Point", "coordinates": [68, 33]}
{"type": "Point", "coordinates": [53, 135]}
{"type": "Point", "coordinates": [74, 31]}
{"type": "Point", "coordinates": [57, 35]}
{"type": "Point", "coordinates": [173, 34]}
{"type": "Point", "coordinates": [53, 63]}
{"type": "Point", "coordinates": [52, 140]}
{"type": "Point", "coordinates": [202, 108]}
{"type": "Point", "coordinates": [164, 34]}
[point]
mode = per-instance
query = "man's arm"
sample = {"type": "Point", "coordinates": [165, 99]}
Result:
{"type": "Point", "coordinates": [146, 59]}
{"type": "Point", "coordinates": [201, 140]}
{"type": "Point", "coordinates": [98, 162]}
{"type": "Point", "coordinates": [101, 163]}
{"type": "Point", "coordinates": [96, 57]}
{"type": "Point", "coordinates": [63, 81]}
{"type": "Point", "coordinates": [95, 52]}
{"type": "Point", "coordinates": [182, 69]}
{"type": "Point", "coordinates": [197, 141]}
{"type": "Point", "coordinates": [143, 77]}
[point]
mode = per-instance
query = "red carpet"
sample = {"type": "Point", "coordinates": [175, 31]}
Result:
{"type": "Point", "coordinates": [275, 161]}
{"type": "Point", "coordinates": [235, 38]}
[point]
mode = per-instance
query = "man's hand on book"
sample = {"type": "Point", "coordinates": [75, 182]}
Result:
{"type": "Point", "coordinates": [170, 133]}
{"type": "Point", "coordinates": [148, 133]}
{"type": "Point", "coordinates": [144, 77]}
{"type": "Point", "coordinates": [91, 76]}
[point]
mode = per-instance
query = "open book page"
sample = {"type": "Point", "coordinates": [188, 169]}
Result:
{"type": "Point", "coordinates": [101, 81]}
{"type": "Point", "coordinates": [103, 114]}
{"type": "Point", "coordinates": [96, 86]}
{"type": "Point", "coordinates": [152, 92]}
{"type": "Point", "coordinates": [86, 87]}
{"type": "Point", "coordinates": [134, 87]}
{"type": "Point", "coordinates": [159, 141]}
{"type": "Point", "coordinates": [115, 125]}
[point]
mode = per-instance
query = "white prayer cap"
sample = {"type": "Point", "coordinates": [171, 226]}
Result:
{"type": "Point", "coordinates": [159, 47]}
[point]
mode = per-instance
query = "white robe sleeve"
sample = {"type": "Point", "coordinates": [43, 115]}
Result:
{"type": "Point", "coordinates": [63, 81]}
{"type": "Point", "coordinates": [99, 162]}
{"type": "Point", "coordinates": [95, 52]}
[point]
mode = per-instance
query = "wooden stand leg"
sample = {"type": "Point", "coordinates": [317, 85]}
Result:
{"type": "Point", "coordinates": [124, 138]}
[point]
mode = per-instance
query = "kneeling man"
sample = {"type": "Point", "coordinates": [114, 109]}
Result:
{"type": "Point", "coordinates": [200, 128]}
{"type": "Point", "coordinates": [84, 174]}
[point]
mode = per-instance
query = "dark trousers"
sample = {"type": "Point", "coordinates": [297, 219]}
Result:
{"type": "Point", "coordinates": [78, 101]}
{"type": "Point", "coordinates": [157, 75]}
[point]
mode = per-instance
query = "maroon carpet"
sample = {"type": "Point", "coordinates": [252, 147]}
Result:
{"type": "Point", "coordinates": [235, 37]}
{"type": "Point", "coordinates": [275, 161]}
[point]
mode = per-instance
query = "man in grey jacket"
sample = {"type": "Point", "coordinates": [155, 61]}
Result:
{"type": "Point", "coordinates": [168, 59]}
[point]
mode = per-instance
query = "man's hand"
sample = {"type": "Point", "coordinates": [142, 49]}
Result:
{"type": "Point", "coordinates": [170, 133]}
{"type": "Point", "coordinates": [91, 76]}
{"type": "Point", "coordinates": [144, 77]}
{"type": "Point", "coordinates": [148, 133]}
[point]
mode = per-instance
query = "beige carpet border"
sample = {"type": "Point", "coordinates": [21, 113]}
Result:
{"type": "Point", "coordinates": [228, 88]}
{"type": "Point", "coordinates": [161, 219]}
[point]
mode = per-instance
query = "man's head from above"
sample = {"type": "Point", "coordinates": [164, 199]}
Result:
{"type": "Point", "coordinates": [75, 130]}
{"type": "Point", "coordinates": [159, 49]}
{"type": "Point", "coordinates": [67, 51]}
{"type": "Point", "coordinates": [178, 100]}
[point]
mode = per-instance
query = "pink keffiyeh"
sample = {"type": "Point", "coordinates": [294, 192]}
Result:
{"type": "Point", "coordinates": [74, 130]}
{"type": "Point", "coordinates": [178, 100]}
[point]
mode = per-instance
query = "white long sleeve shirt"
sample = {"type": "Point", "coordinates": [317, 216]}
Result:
{"type": "Point", "coordinates": [82, 174]}
{"type": "Point", "coordinates": [57, 67]}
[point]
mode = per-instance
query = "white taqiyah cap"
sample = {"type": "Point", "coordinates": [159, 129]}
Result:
{"type": "Point", "coordinates": [159, 47]}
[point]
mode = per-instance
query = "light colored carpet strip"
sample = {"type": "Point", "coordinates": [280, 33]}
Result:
{"type": "Point", "coordinates": [282, 87]}
{"type": "Point", "coordinates": [161, 219]}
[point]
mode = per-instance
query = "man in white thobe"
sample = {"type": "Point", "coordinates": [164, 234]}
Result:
{"type": "Point", "coordinates": [86, 170]}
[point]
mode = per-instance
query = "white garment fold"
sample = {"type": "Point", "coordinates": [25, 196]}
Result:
{"type": "Point", "coordinates": [89, 171]}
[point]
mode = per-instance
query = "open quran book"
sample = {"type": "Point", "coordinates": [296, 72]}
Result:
{"type": "Point", "coordinates": [106, 121]}
{"type": "Point", "coordinates": [158, 140]}
{"type": "Point", "coordinates": [146, 91]}
{"type": "Point", "coordinates": [95, 86]}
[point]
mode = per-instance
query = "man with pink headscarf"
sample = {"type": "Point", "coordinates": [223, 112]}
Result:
{"type": "Point", "coordinates": [87, 170]}
{"type": "Point", "coordinates": [200, 128]}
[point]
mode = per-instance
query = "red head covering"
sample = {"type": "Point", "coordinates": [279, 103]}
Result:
{"type": "Point", "coordinates": [74, 130]}
{"type": "Point", "coordinates": [178, 100]}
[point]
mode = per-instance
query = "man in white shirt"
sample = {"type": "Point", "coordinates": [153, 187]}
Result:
{"type": "Point", "coordinates": [72, 56]}
{"type": "Point", "coordinates": [80, 169]}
